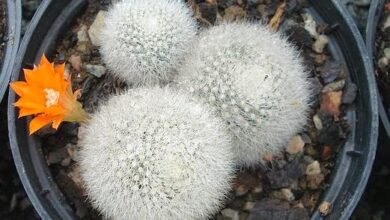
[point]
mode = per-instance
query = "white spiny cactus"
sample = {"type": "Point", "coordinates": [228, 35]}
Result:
{"type": "Point", "coordinates": [155, 154]}
{"type": "Point", "coordinates": [255, 81]}
{"type": "Point", "coordinates": [144, 41]}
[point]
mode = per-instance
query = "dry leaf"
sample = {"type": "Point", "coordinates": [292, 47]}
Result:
{"type": "Point", "coordinates": [277, 18]}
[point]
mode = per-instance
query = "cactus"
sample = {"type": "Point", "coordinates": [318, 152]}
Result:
{"type": "Point", "coordinates": [254, 79]}
{"type": "Point", "coordinates": [155, 154]}
{"type": "Point", "coordinates": [144, 41]}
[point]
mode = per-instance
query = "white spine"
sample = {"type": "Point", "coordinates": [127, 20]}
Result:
{"type": "Point", "coordinates": [144, 41]}
{"type": "Point", "coordinates": [156, 154]}
{"type": "Point", "coordinates": [255, 80]}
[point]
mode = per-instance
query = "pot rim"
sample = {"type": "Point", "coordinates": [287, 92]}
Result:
{"type": "Point", "coordinates": [13, 28]}
{"type": "Point", "coordinates": [355, 160]}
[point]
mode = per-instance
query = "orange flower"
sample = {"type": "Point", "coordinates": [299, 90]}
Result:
{"type": "Point", "coordinates": [47, 94]}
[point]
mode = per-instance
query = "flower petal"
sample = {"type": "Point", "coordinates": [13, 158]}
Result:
{"type": "Point", "coordinates": [42, 76]}
{"type": "Point", "coordinates": [28, 111]}
{"type": "Point", "coordinates": [26, 103]}
{"type": "Point", "coordinates": [32, 78]}
{"type": "Point", "coordinates": [44, 60]}
{"type": "Point", "coordinates": [32, 93]}
{"type": "Point", "coordinates": [18, 87]}
{"type": "Point", "coordinates": [47, 94]}
{"type": "Point", "coordinates": [57, 121]}
{"type": "Point", "coordinates": [60, 69]}
{"type": "Point", "coordinates": [49, 77]}
{"type": "Point", "coordinates": [39, 122]}
{"type": "Point", "coordinates": [55, 110]}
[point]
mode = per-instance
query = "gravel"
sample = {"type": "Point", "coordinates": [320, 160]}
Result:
{"type": "Point", "coordinates": [254, 190]}
{"type": "Point", "coordinates": [284, 177]}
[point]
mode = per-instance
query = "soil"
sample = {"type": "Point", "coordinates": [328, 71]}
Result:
{"type": "Point", "coordinates": [375, 203]}
{"type": "Point", "coordinates": [2, 29]}
{"type": "Point", "coordinates": [28, 8]}
{"type": "Point", "coordinates": [382, 56]}
{"type": "Point", "coordinates": [287, 186]}
{"type": "Point", "coordinates": [14, 203]}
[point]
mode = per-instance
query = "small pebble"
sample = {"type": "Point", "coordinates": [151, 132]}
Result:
{"type": "Point", "coordinates": [82, 47]}
{"type": "Point", "coordinates": [211, 1]}
{"type": "Point", "coordinates": [383, 63]}
{"type": "Point", "coordinates": [326, 152]}
{"type": "Point", "coordinates": [258, 189]}
{"type": "Point", "coordinates": [334, 86]}
{"type": "Point", "coordinates": [241, 190]}
{"type": "Point", "coordinates": [66, 162]}
{"type": "Point", "coordinates": [310, 25]}
{"type": "Point", "coordinates": [315, 85]}
{"type": "Point", "coordinates": [288, 195]}
{"type": "Point", "coordinates": [325, 208]}
{"type": "Point", "coordinates": [94, 31]}
{"type": "Point", "coordinates": [248, 206]}
{"type": "Point", "coordinates": [320, 59]}
{"type": "Point", "coordinates": [230, 214]}
{"type": "Point", "coordinates": [82, 35]}
{"type": "Point", "coordinates": [96, 70]}
{"type": "Point", "coordinates": [386, 51]}
{"type": "Point", "coordinates": [330, 102]}
{"type": "Point", "coordinates": [57, 156]}
{"type": "Point", "coordinates": [233, 13]}
{"type": "Point", "coordinates": [296, 145]}
{"type": "Point", "coordinates": [313, 168]}
{"type": "Point", "coordinates": [317, 122]}
{"type": "Point", "coordinates": [314, 181]}
{"type": "Point", "coordinates": [320, 43]}
{"type": "Point", "coordinates": [332, 70]}
{"type": "Point", "coordinates": [350, 93]}
{"type": "Point", "coordinates": [386, 24]}
{"type": "Point", "coordinates": [76, 62]}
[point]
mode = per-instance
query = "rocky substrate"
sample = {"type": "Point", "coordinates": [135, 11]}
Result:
{"type": "Point", "coordinates": [382, 56]}
{"type": "Point", "coordinates": [285, 187]}
{"type": "Point", "coordinates": [2, 30]}
{"type": "Point", "coordinates": [375, 202]}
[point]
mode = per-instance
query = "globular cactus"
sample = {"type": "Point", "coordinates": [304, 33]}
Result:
{"type": "Point", "coordinates": [144, 41]}
{"type": "Point", "coordinates": [155, 154]}
{"type": "Point", "coordinates": [255, 81]}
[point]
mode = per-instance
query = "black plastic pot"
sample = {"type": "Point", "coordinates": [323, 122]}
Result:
{"type": "Point", "coordinates": [374, 15]}
{"type": "Point", "coordinates": [355, 158]}
{"type": "Point", "coordinates": [12, 36]}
